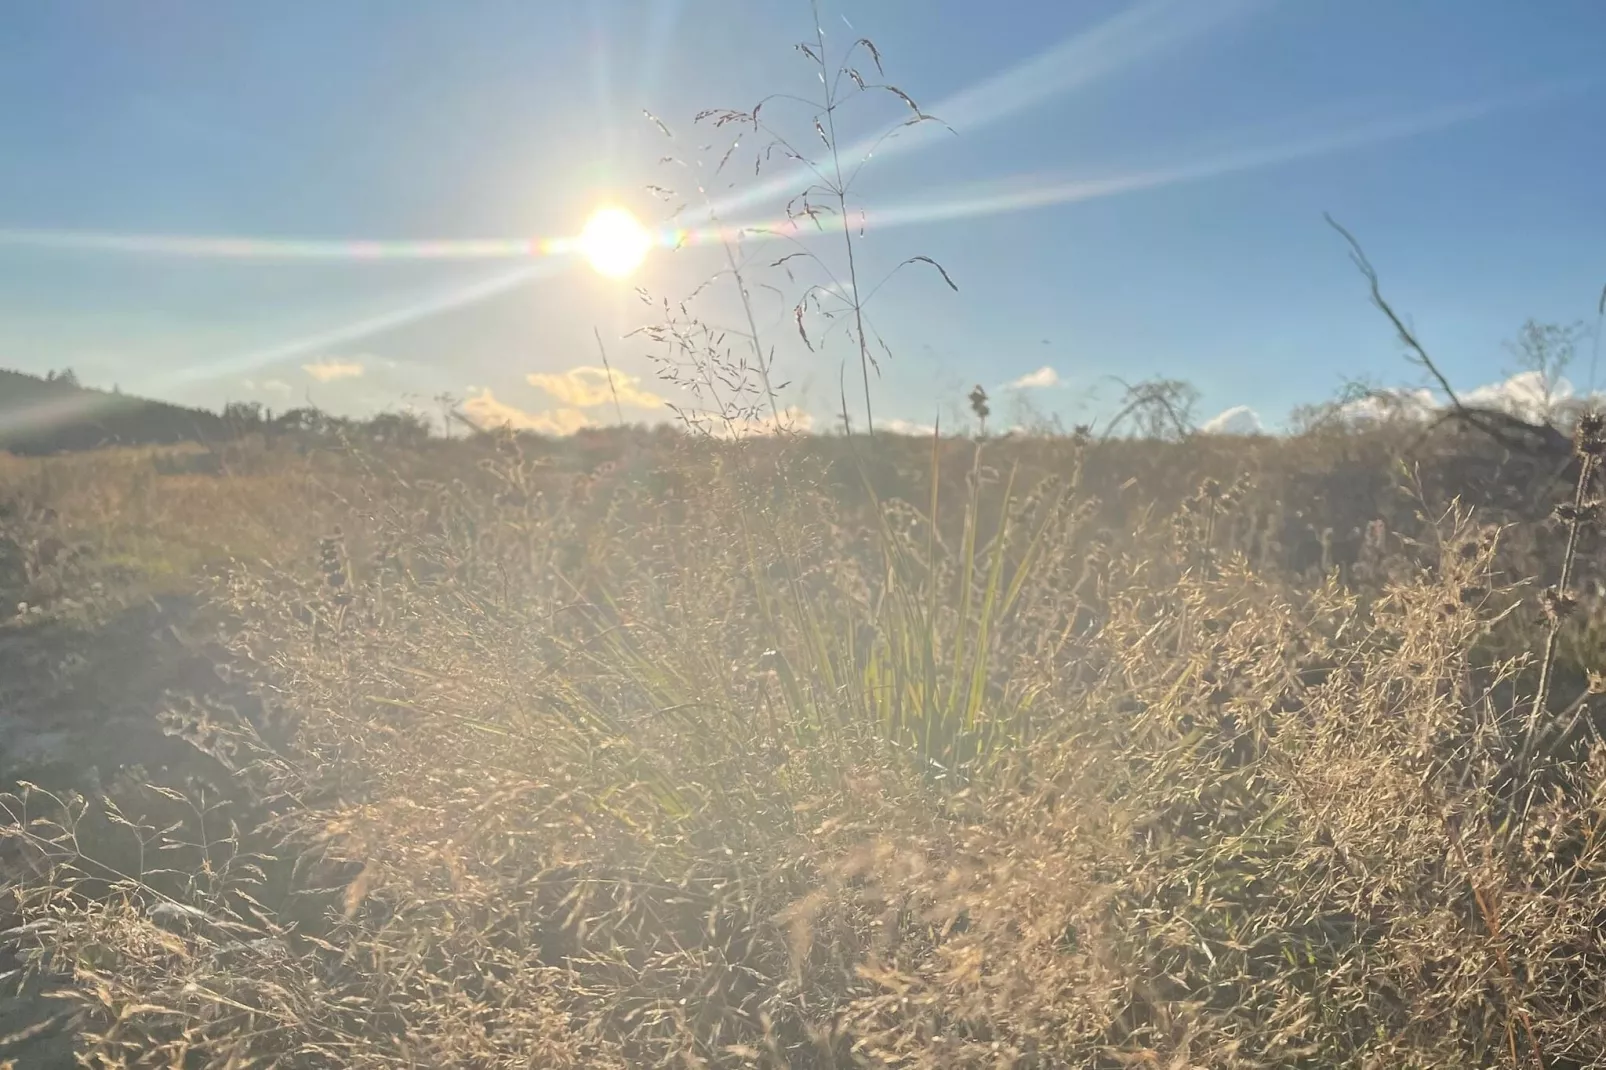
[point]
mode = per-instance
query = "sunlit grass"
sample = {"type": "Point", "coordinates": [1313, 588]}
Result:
{"type": "Point", "coordinates": [718, 746]}
{"type": "Point", "coordinates": [1052, 736]}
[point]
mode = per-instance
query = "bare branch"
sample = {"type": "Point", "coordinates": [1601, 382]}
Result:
{"type": "Point", "coordinates": [1497, 426]}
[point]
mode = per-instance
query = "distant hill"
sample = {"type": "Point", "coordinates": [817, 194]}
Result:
{"type": "Point", "coordinates": [46, 415]}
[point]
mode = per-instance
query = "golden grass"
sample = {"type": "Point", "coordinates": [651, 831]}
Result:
{"type": "Point", "coordinates": [756, 755]}
{"type": "Point", "coordinates": [649, 749]}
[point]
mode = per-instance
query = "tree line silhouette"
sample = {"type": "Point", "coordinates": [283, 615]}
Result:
{"type": "Point", "coordinates": [54, 413]}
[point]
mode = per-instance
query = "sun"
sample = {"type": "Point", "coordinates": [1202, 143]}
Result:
{"type": "Point", "coordinates": [614, 242]}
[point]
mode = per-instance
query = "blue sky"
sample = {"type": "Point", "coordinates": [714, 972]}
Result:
{"type": "Point", "coordinates": [1135, 189]}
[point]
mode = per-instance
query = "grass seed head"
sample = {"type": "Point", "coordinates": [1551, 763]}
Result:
{"type": "Point", "coordinates": [1589, 438]}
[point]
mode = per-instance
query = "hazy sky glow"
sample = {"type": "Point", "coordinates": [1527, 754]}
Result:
{"type": "Point", "coordinates": [210, 203]}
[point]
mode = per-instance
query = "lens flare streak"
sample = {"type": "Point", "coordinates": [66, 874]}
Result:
{"type": "Point", "coordinates": [1076, 62]}
{"type": "Point", "coordinates": [996, 197]}
{"type": "Point", "coordinates": [976, 201]}
{"type": "Point", "coordinates": [39, 416]}
{"type": "Point", "coordinates": [232, 248]}
{"type": "Point", "coordinates": [365, 328]}
{"type": "Point", "coordinates": [972, 202]}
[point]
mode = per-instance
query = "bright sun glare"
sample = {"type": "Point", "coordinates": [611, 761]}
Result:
{"type": "Point", "coordinates": [614, 242]}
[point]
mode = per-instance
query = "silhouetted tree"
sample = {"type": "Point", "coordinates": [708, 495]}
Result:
{"type": "Point", "coordinates": [244, 416]}
{"type": "Point", "coordinates": [304, 420]}
{"type": "Point", "coordinates": [397, 428]}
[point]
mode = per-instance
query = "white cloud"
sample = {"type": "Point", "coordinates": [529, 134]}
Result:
{"type": "Point", "coordinates": [1238, 420]}
{"type": "Point", "coordinates": [329, 369]}
{"type": "Point", "coordinates": [485, 411]}
{"type": "Point", "coordinates": [1526, 395]}
{"type": "Point", "coordinates": [909, 427]}
{"type": "Point", "coordinates": [1040, 379]}
{"type": "Point", "coordinates": [587, 387]}
{"type": "Point", "coordinates": [277, 387]}
{"type": "Point", "coordinates": [1390, 404]}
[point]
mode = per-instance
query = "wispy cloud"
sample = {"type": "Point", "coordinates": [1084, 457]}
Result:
{"type": "Point", "coordinates": [486, 411]}
{"type": "Point", "coordinates": [1040, 379]}
{"type": "Point", "coordinates": [330, 369]}
{"type": "Point", "coordinates": [587, 387]}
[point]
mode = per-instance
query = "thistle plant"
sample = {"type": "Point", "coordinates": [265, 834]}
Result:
{"type": "Point", "coordinates": [1582, 512]}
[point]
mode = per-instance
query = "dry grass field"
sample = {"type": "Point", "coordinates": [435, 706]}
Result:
{"type": "Point", "coordinates": [711, 745]}
{"type": "Point", "coordinates": [646, 749]}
